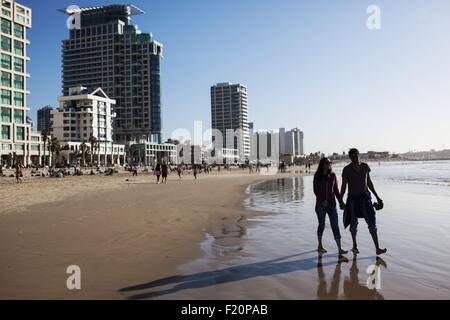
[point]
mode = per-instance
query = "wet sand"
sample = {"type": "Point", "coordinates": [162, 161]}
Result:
{"type": "Point", "coordinates": [119, 233]}
{"type": "Point", "coordinates": [272, 256]}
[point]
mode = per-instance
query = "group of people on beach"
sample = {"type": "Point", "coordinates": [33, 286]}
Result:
{"type": "Point", "coordinates": [356, 178]}
{"type": "Point", "coordinates": [162, 170]}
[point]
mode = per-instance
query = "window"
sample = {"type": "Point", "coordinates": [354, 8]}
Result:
{"type": "Point", "coordinates": [18, 65]}
{"type": "Point", "coordinates": [6, 79]}
{"type": "Point", "coordinates": [18, 48]}
{"type": "Point", "coordinates": [5, 132]}
{"type": "Point", "coordinates": [6, 115]}
{"type": "Point", "coordinates": [22, 19]}
{"type": "Point", "coordinates": [18, 99]}
{"type": "Point", "coordinates": [6, 12]}
{"type": "Point", "coordinates": [6, 44]}
{"type": "Point", "coordinates": [6, 97]}
{"type": "Point", "coordinates": [18, 31]}
{"type": "Point", "coordinates": [6, 26]}
{"type": "Point", "coordinates": [20, 133]}
{"type": "Point", "coordinates": [6, 61]}
{"type": "Point", "coordinates": [18, 116]}
{"type": "Point", "coordinates": [34, 148]}
{"type": "Point", "coordinates": [18, 82]}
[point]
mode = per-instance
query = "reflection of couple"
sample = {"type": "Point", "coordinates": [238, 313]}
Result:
{"type": "Point", "coordinates": [356, 176]}
{"type": "Point", "coordinates": [352, 288]}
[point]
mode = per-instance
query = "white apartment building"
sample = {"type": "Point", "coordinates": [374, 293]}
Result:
{"type": "Point", "coordinates": [229, 118]}
{"type": "Point", "coordinates": [150, 153]}
{"type": "Point", "coordinates": [83, 114]}
{"type": "Point", "coordinates": [276, 146]}
{"type": "Point", "coordinates": [220, 156]}
{"type": "Point", "coordinates": [291, 144]}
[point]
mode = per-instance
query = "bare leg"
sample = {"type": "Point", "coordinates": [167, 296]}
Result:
{"type": "Point", "coordinates": [321, 249]}
{"type": "Point", "coordinates": [355, 245]}
{"type": "Point", "coordinates": [377, 244]}
{"type": "Point", "coordinates": [341, 251]}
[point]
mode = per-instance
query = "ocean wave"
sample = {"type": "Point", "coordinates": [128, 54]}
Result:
{"type": "Point", "coordinates": [441, 183]}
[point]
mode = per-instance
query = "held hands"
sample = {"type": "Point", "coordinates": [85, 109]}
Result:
{"type": "Point", "coordinates": [342, 205]}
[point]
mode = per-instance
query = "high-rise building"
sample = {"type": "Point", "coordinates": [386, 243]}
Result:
{"type": "Point", "coordinates": [291, 144]}
{"type": "Point", "coordinates": [109, 52]}
{"type": "Point", "coordinates": [43, 118]}
{"type": "Point", "coordinates": [276, 145]}
{"type": "Point", "coordinates": [229, 115]}
{"type": "Point", "coordinates": [17, 142]}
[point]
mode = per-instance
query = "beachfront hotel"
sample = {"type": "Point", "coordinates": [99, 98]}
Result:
{"type": "Point", "coordinates": [82, 115]}
{"type": "Point", "coordinates": [111, 53]}
{"type": "Point", "coordinates": [229, 111]}
{"type": "Point", "coordinates": [18, 144]}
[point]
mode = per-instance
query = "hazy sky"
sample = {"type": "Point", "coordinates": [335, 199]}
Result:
{"type": "Point", "coordinates": [308, 64]}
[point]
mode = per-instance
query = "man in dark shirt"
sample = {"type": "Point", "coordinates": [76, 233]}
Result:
{"type": "Point", "coordinates": [359, 203]}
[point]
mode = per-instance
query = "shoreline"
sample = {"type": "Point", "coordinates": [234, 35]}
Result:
{"type": "Point", "coordinates": [120, 235]}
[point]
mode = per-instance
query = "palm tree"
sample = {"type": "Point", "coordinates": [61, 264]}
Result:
{"type": "Point", "coordinates": [93, 142]}
{"type": "Point", "coordinates": [106, 157]}
{"type": "Point", "coordinates": [45, 135]}
{"type": "Point", "coordinates": [55, 148]}
{"type": "Point", "coordinates": [98, 152]}
{"type": "Point", "coordinates": [83, 149]}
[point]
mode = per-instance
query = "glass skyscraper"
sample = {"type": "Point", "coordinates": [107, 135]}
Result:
{"type": "Point", "coordinates": [109, 52]}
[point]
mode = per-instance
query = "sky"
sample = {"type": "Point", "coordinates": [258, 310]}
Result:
{"type": "Point", "coordinates": [308, 64]}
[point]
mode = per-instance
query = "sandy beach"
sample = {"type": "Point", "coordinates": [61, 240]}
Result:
{"type": "Point", "coordinates": [118, 232]}
{"type": "Point", "coordinates": [228, 235]}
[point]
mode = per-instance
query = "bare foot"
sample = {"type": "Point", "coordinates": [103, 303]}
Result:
{"type": "Point", "coordinates": [342, 259]}
{"type": "Point", "coordinates": [342, 251]}
{"type": "Point", "coordinates": [355, 250]}
{"type": "Point", "coordinates": [322, 250]}
{"type": "Point", "coordinates": [381, 251]}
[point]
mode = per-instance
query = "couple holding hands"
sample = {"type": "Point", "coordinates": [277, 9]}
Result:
{"type": "Point", "coordinates": [355, 177]}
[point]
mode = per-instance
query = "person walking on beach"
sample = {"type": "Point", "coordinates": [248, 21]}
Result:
{"type": "Point", "coordinates": [327, 191]}
{"type": "Point", "coordinates": [194, 171]}
{"type": "Point", "coordinates": [179, 171]}
{"type": "Point", "coordinates": [18, 173]}
{"type": "Point", "coordinates": [157, 172]}
{"type": "Point", "coordinates": [359, 201]}
{"type": "Point", "coordinates": [165, 172]}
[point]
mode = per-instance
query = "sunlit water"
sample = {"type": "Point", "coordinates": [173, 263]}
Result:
{"type": "Point", "coordinates": [272, 256]}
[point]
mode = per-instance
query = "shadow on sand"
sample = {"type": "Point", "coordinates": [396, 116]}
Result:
{"type": "Point", "coordinates": [234, 274]}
